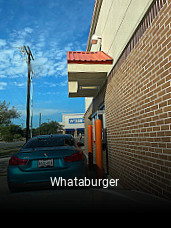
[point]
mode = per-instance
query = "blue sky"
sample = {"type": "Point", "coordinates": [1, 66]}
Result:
{"type": "Point", "coordinates": [50, 28]}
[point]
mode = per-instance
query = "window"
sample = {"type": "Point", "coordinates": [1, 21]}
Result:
{"type": "Point", "coordinates": [49, 142]}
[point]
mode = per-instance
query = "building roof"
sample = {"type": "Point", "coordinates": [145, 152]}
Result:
{"type": "Point", "coordinates": [80, 57]}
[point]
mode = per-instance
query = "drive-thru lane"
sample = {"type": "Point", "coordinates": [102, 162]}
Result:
{"type": "Point", "coordinates": [76, 199]}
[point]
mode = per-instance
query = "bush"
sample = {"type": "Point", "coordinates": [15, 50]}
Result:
{"type": "Point", "coordinates": [8, 133]}
{"type": "Point", "coordinates": [7, 138]}
{"type": "Point", "coordinates": [17, 136]}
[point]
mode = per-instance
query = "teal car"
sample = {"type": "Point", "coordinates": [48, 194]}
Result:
{"type": "Point", "coordinates": [44, 157]}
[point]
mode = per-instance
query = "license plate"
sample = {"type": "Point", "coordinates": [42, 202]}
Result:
{"type": "Point", "coordinates": [45, 163]}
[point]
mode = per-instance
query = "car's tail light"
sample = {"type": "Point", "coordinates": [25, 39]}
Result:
{"type": "Point", "coordinates": [74, 157]}
{"type": "Point", "coordinates": [17, 161]}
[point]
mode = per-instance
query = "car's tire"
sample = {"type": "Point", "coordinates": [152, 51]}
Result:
{"type": "Point", "coordinates": [13, 188]}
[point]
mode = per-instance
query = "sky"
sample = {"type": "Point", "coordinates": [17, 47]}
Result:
{"type": "Point", "coordinates": [50, 28]}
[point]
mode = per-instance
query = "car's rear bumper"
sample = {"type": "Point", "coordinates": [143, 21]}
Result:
{"type": "Point", "coordinates": [18, 177]}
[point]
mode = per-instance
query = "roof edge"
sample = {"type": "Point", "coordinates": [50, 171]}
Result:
{"type": "Point", "coordinates": [98, 57]}
{"type": "Point", "coordinates": [94, 20]}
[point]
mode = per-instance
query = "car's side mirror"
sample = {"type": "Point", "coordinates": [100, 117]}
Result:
{"type": "Point", "coordinates": [80, 144]}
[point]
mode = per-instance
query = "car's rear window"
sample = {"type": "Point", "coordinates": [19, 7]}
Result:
{"type": "Point", "coordinates": [49, 142]}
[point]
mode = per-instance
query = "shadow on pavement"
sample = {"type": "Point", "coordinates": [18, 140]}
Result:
{"type": "Point", "coordinates": [80, 199]}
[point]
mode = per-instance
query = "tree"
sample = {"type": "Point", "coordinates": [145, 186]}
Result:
{"type": "Point", "coordinates": [52, 127]}
{"type": "Point", "coordinates": [8, 133]}
{"type": "Point", "coordinates": [6, 114]}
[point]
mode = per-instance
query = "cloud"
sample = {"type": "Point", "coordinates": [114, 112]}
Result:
{"type": "Point", "coordinates": [53, 93]}
{"type": "Point", "coordinates": [6, 55]}
{"type": "Point", "coordinates": [50, 58]}
{"type": "Point", "coordinates": [50, 84]}
{"type": "Point", "coordinates": [28, 30]}
{"type": "Point", "coordinates": [45, 93]}
{"type": "Point", "coordinates": [12, 63]}
{"type": "Point", "coordinates": [3, 76]}
{"type": "Point", "coordinates": [3, 85]}
{"type": "Point", "coordinates": [17, 43]}
{"type": "Point", "coordinates": [20, 85]}
{"type": "Point", "coordinates": [22, 34]}
{"type": "Point", "coordinates": [2, 42]}
{"type": "Point", "coordinates": [64, 83]}
{"type": "Point", "coordinates": [52, 63]}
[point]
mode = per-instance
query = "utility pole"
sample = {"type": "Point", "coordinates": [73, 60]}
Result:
{"type": "Point", "coordinates": [27, 51]}
{"type": "Point", "coordinates": [31, 133]}
{"type": "Point", "coordinates": [40, 123]}
{"type": "Point", "coordinates": [29, 56]}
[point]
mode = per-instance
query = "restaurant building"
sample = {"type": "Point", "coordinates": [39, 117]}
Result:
{"type": "Point", "coordinates": [125, 78]}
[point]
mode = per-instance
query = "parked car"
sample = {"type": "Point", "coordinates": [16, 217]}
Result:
{"type": "Point", "coordinates": [43, 157]}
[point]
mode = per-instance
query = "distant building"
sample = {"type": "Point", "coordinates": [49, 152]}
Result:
{"type": "Point", "coordinates": [73, 123]}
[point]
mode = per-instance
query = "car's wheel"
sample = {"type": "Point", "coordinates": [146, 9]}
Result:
{"type": "Point", "coordinates": [13, 188]}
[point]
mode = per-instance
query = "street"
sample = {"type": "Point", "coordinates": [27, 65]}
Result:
{"type": "Point", "coordinates": [11, 144]}
{"type": "Point", "coordinates": [8, 148]}
{"type": "Point", "coordinates": [3, 165]}
{"type": "Point", "coordinates": [3, 176]}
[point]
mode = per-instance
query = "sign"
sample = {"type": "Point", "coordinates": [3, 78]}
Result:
{"type": "Point", "coordinates": [76, 120]}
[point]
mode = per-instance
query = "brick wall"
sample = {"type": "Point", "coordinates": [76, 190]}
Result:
{"type": "Point", "coordinates": [138, 111]}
